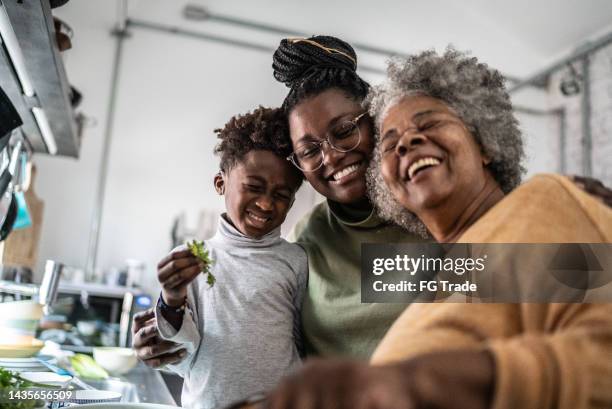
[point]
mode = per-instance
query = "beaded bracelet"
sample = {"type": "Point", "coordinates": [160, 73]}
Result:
{"type": "Point", "coordinates": [176, 310]}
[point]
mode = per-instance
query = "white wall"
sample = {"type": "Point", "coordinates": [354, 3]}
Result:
{"type": "Point", "coordinates": [540, 131]}
{"type": "Point", "coordinates": [174, 91]}
{"type": "Point", "coordinates": [68, 186]}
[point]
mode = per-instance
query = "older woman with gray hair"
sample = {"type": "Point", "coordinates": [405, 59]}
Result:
{"type": "Point", "coordinates": [447, 164]}
{"type": "Point", "coordinates": [457, 91]}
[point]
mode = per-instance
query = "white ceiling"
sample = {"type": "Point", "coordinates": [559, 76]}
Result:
{"type": "Point", "coordinates": [547, 26]}
{"type": "Point", "coordinates": [519, 37]}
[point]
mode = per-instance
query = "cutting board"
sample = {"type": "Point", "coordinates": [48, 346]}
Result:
{"type": "Point", "coordinates": [21, 246]}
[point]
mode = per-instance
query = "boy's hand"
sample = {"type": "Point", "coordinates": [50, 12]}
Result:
{"type": "Point", "coordinates": [175, 272]}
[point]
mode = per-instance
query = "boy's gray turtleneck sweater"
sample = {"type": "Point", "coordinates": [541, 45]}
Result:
{"type": "Point", "coordinates": [243, 334]}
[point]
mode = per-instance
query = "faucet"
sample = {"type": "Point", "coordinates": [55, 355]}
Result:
{"type": "Point", "coordinates": [46, 292]}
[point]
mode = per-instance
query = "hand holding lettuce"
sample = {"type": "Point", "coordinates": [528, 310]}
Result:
{"type": "Point", "coordinates": [179, 268]}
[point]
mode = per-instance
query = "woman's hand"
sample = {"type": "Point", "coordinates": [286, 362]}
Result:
{"type": "Point", "coordinates": [595, 188]}
{"type": "Point", "coordinates": [454, 379]}
{"type": "Point", "coordinates": [149, 347]}
{"type": "Point", "coordinates": [333, 384]}
{"type": "Point", "coordinates": [175, 272]}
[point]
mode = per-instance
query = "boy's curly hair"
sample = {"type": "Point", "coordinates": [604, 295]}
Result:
{"type": "Point", "coordinates": [263, 129]}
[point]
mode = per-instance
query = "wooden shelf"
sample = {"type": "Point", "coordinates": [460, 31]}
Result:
{"type": "Point", "coordinates": [32, 23]}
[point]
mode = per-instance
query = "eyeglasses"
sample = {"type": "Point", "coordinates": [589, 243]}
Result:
{"type": "Point", "coordinates": [343, 137]}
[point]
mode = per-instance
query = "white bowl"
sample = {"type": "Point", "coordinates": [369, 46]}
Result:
{"type": "Point", "coordinates": [94, 396]}
{"type": "Point", "coordinates": [21, 350]}
{"type": "Point", "coordinates": [19, 319]}
{"type": "Point", "coordinates": [47, 378]}
{"type": "Point", "coordinates": [21, 310]}
{"type": "Point", "coordinates": [87, 328]}
{"type": "Point", "coordinates": [116, 361]}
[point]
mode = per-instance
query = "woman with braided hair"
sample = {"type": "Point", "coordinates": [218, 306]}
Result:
{"type": "Point", "coordinates": [332, 139]}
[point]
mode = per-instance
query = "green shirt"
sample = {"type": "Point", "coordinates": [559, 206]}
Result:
{"type": "Point", "coordinates": [334, 320]}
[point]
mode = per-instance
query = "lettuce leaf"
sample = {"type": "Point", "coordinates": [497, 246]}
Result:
{"type": "Point", "coordinates": [197, 249]}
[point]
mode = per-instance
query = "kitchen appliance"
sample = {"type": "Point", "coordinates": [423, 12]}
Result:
{"type": "Point", "coordinates": [8, 203]}
{"type": "Point", "coordinates": [108, 304]}
{"type": "Point", "coordinates": [46, 292]}
{"type": "Point", "coordinates": [9, 118]}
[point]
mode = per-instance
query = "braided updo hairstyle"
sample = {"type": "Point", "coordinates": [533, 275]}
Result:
{"type": "Point", "coordinates": [313, 65]}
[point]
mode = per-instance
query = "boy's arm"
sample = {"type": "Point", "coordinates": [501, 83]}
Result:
{"type": "Point", "coordinates": [175, 312]}
{"type": "Point", "coordinates": [186, 336]}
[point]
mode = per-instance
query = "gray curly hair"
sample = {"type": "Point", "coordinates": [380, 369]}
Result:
{"type": "Point", "coordinates": [477, 95]}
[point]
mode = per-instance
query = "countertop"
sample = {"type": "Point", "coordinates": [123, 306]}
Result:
{"type": "Point", "coordinates": [141, 384]}
{"type": "Point", "coordinates": [150, 385]}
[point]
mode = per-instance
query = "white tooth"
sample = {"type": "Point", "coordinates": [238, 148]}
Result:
{"type": "Point", "coordinates": [420, 163]}
{"type": "Point", "coordinates": [260, 219]}
{"type": "Point", "coordinates": [349, 169]}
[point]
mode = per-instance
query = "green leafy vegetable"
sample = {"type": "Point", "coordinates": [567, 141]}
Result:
{"type": "Point", "coordinates": [197, 249]}
{"type": "Point", "coordinates": [12, 381]}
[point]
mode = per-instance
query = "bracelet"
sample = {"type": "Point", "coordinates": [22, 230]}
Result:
{"type": "Point", "coordinates": [165, 307]}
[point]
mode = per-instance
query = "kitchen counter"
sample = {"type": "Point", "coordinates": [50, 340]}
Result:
{"type": "Point", "coordinates": [141, 384]}
{"type": "Point", "coordinates": [150, 385]}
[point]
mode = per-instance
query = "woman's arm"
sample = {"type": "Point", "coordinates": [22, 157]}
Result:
{"type": "Point", "coordinates": [564, 369]}
{"type": "Point", "coordinates": [594, 187]}
{"type": "Point", "coordinates": [453, 379]}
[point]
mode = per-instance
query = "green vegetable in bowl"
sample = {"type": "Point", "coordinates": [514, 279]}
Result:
{"type": "Point", "coordinates": [197, 249]}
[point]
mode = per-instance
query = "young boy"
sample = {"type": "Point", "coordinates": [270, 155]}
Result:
{"type": "Point", "coordinates": [243, 333]}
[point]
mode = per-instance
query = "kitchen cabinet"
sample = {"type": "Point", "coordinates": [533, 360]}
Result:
{"type": "Point", "coordinates": [33, 76]}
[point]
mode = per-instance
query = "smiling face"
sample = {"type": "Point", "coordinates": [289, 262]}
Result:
{"type": "Point", "coordinates": [341, 178]}
{"type": "Point", "coordinates": [259, 191]}
{"type": "Point", "coordinates": [429, 157]}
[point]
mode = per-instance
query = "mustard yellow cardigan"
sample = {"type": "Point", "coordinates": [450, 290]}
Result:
{"type": "Point", "coordinates": [546, 355]}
